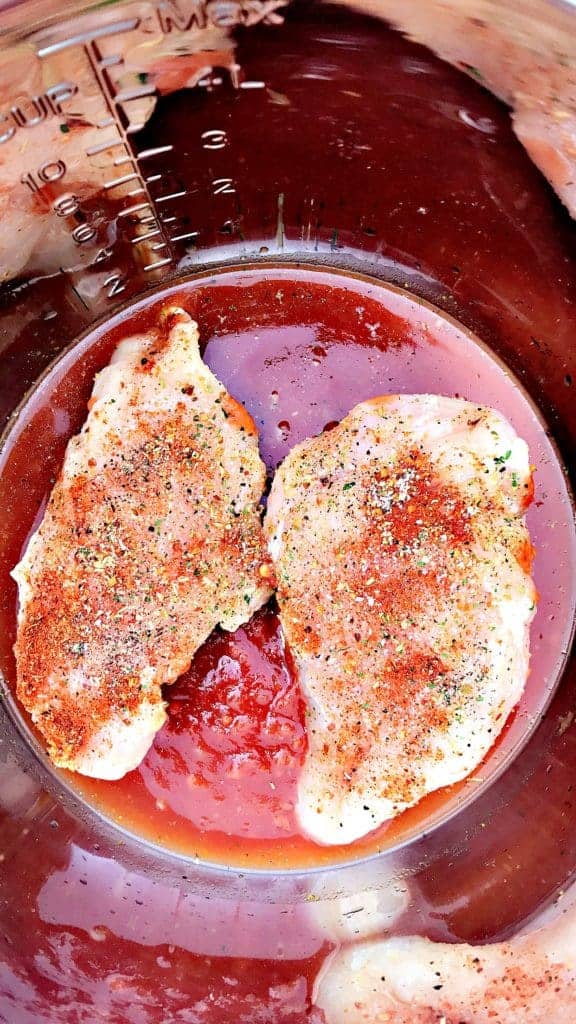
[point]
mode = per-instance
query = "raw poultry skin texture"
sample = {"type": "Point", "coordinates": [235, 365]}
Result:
{"type": "Point", "coordinates": [409, 980]}
{"type": "Point", "coordinates": [403, 567]}
{"type": "Point", "coordinates": [151, 538]}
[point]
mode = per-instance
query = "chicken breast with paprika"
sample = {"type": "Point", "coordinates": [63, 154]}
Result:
{"type": "Point", "coordinates": [403, 565]}
{"type": "Point", "coordinates": [152, 537]}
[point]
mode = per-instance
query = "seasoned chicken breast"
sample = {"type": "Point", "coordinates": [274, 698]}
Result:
{"type": "Point", "coordinates": [403, 565]}
{"type": "Point", "coordinates": [152, 536]}
{"type": "Point", "coordinates": [528, 980]}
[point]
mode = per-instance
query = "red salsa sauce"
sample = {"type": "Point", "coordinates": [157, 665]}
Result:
{"type": "Point", "coordinates": [299, 347]}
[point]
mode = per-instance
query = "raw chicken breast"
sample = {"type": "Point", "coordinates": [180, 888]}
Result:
{"type": "Point", "coordinates": [152, 536]}
{"type": "Point", "coordinates": [403, 566]}
{"type": "Point", "coordinates": [529, 980]}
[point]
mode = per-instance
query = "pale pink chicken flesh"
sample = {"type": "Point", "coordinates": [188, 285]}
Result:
{"type": "Point", "coordinates": [152, 537]}
{"type": "Point", "coordinates": [409, 980]}
{"type": "Point", "coordinates": [403, 566]}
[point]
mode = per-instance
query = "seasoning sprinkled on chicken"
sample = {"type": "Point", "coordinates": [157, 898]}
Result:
{"type": "Point", "coordinates": [403, 565]}
{"type": "Point", "coordinates": [151, 538]}
{"type": "Point", "coordinates": [531, 979]}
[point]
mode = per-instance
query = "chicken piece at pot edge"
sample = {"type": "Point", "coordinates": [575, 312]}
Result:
{"type": "Point", "coordinates": [530, 979]}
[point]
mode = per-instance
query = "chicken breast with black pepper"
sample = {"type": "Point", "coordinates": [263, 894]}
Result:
{"type": "Point", "coordinates": [152, 536]}
{"type": "Point", "coordinates": [410, 980]}
{"type": "Point", "coordinates": [403, 565]}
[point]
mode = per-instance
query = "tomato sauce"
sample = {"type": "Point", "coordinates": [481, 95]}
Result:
{"type": "Point", "coordinates": [241, 704]}
{"type": "Point", "coordinates": [299, 347]}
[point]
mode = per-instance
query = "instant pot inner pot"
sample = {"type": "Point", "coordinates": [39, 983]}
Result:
{"type": "Point", "coordinates": [274, 175]}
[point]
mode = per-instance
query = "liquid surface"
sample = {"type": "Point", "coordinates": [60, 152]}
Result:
{"type": "Point", "coordinates": [299, 347]}
{"type": "Point", "coordinates": [413, 168]}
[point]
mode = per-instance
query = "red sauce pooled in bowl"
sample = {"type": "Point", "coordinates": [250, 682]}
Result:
{"type": "Point", "coordinates": [299, 347]}
{"type": "Point", "coordinates": [228, 760]}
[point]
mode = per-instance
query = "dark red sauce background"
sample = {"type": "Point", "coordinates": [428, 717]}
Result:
{"type": "Point", "coordinates": [496, 248]}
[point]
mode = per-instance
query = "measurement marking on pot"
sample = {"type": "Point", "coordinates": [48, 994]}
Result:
{"type": "Point", "coordinates": [128, 211]}
{"type": "Point", "coordinates": [145, 238]}
{"type": "Point", "coordinates": [214, 139]}
{"type": "Point", "coordinates": [115, 284]}
{"type": "Point", "coordinates": [186, 237]}
{"type": "Point", "coordinates": [120, 181]}
{"type": "Point", "coordinates": [52, 170]}
{"type": "Point", "coordinates": [223, 187]}
{"type": "Point", "coordinates": [171, 195]}
{"type": "Point", "coordinates": [127, 95]}
{"type": "Point", "coordinates": [200, 14]}
{"type": "Point", "coordinates": [103, 147]}
{"type": "Point", "coordinates": [67, 205]}
{"type": "Point", "coordinates": [145, 154]}
{"type": "Point", "coordinates": [45, 105]}
{"type": "Point", "coordinates": [117, 100]}
{"type": "Point", "coordinates": [159, 263]}
{"type": "Point", "coordinates": [115, 119]}
{"type": "Point", "coordinates": [84, 38]}
{"type": "Point", "coordinates": [143, 195]}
